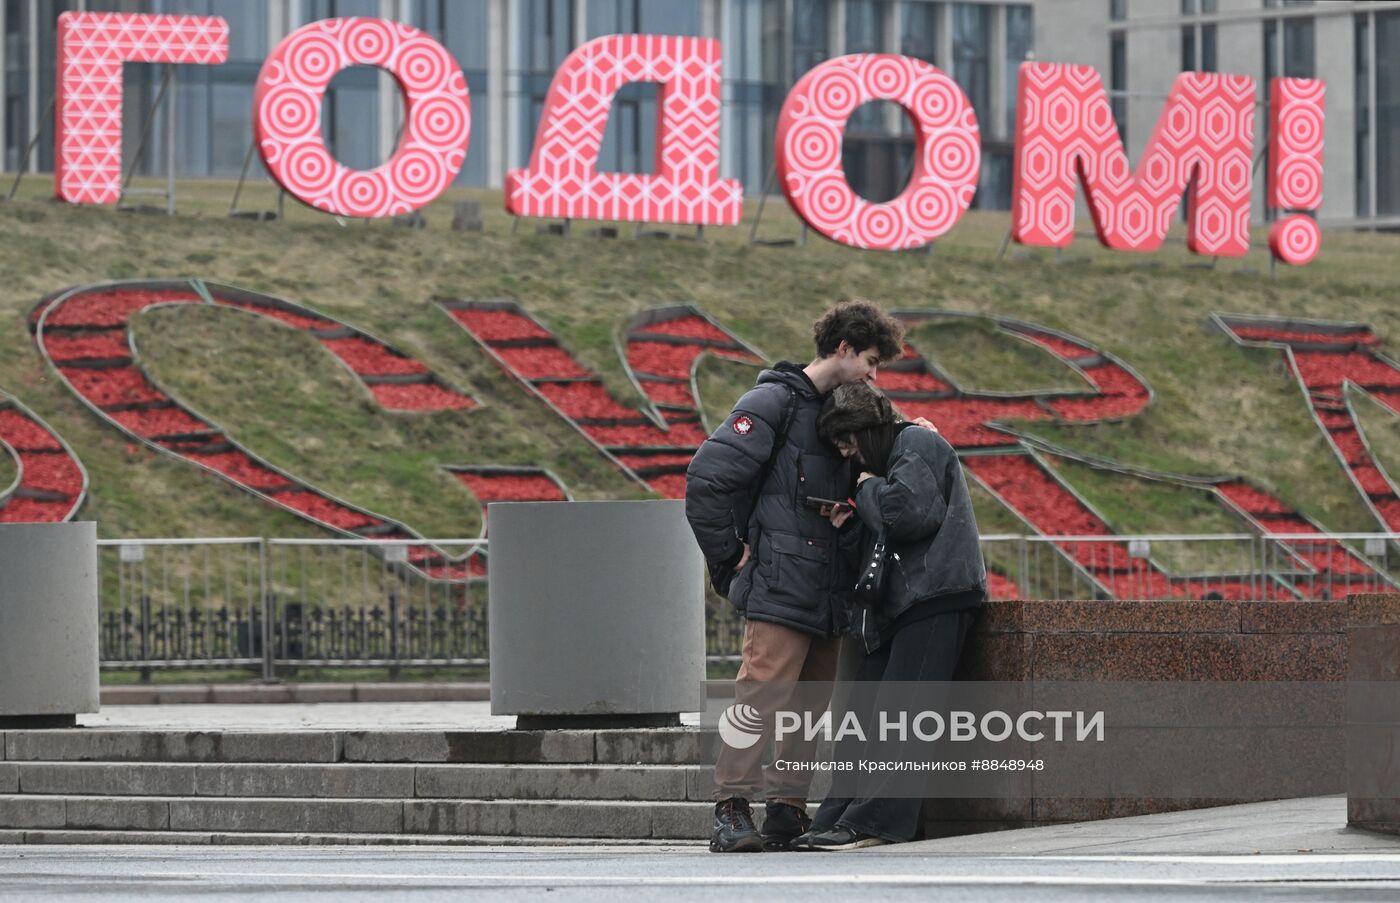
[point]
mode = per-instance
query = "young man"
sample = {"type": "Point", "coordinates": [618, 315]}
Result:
{"type": "Point", "coordinates": [774, 555]}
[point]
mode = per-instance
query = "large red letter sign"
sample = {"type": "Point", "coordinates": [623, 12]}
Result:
{"type": "Point", "coordinates": [1295, 165]}
{"type": "Point", "coordinates": [1066, 128]}
{"type": "Point", "coordinates": [87, 165]}
{"type": "Point", "coordinates": [947, 151]}
{"type": "Point", "coordinates": [562, 179]}
{"type": "Point", "coordinates": [287, 116]}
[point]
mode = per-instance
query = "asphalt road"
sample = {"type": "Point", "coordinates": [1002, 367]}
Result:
{"type": "Point", "coordinates": [381, 874]}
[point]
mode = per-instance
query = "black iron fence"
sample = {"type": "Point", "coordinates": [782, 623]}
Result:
{"type": "Point", "coordinates": [274, 605]}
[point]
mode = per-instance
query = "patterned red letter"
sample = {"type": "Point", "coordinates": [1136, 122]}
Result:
{"type": "Point", "coordinates": [1202, 139]}
{"type": "Point", "coordinates": [87, 167]}
{"type": "Point", "coordinates": [1295, 165]}
{"type": "Point", "coordinates": [563, 179]}
{"type": "Point", "coordinates": [287, 117]}
{"type": "Point", "coordinates": [947, 151]}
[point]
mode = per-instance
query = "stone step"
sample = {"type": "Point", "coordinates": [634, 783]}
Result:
{"type": "Point", "coordinates": [667, 746]}
{"type": "Point", "coordinates": [675, 783]}
{"type": "Point", "coordinates": [48, 836]}
{"type": "Point", "coordinates": [617, 820]}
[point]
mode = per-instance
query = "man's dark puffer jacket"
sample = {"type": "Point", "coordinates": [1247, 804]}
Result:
{"type": "Point", "coordinates": [795, 576]}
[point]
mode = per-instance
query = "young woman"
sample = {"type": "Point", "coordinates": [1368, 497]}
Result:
{"type": "Point", "coordinates": [911, 493]}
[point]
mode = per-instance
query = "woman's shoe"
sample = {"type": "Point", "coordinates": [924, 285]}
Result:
{"type": "Point", "coordinates": [836, 839]}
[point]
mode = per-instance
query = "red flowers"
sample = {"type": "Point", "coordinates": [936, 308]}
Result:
{"type": "Point", "coordinates": [113, 307]}
{"type": "Point", "coordinates": [489, 487]}
{"type": "Point", "coordinates": [320, 508]}
{"type": "Point", "coordinates": [152, 422]}
{"type": "Point", "coordinates": [23, 434]}
{"type": "Point", "coordinates": [105, 345]}
{"type": "Point", "coordinates": [113, 386]}
{"type": "Point", "coordinates": [241, 468]}
{"type": "Point", "coordinates": [33, 511]}
{"type": "Point", "coordinates": [671, 485]}
{"type": "Point", "coordinates": [1252, 500]}
{"type": "Point", "coordinates": [48, 472]}
{"type": "Point", "coordinates": [1062, 347]}
{"type": "Point", "coordinates": [662, 359]}
{"type": "Point", "coordinates": [541, 362]}
{"type": "Point", "coordinates": [909, 381]}
{"type": "Point", "coordinates": [961, 420]}
{"type": "Point", "coordinates": [300, 321]}
{"type": "Point", "coordinates": [646, 436]}
{"type": "Point", "coordinates": [419, 397]}
{"type": "Point", "coordinates": [498, 325]}
{"type": "Point", "coordinates": [1327, 370]}
{"type": "Point", "coordinates": [585, 401]}
{"type": "Point", "coordinates": [669, 393]}
{"type": "Point", "coordinates": [370, 358]}
{"type": "Point", "coordinates": [690, 327]}
{"type": "Point", "coordinates": [1035, 495]}
{"type": "Point", "coordinates": [1361, 336]}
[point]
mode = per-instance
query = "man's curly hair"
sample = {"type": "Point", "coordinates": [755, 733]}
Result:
{"type": "Point", "coordinates": [864, 325]}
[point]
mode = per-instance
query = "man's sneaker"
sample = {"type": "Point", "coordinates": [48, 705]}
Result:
{"type": "Point", "coordinates": [734, 831]}
{"type": "Point", "coordinates": [837, 838]}
{"type": "Point", "coordinates": [783, 823]}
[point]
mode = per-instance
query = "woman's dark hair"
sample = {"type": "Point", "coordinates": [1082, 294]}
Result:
{"type": "Point", "coordinates": [861, 323]}
{"type": "Point", "coordinates": [861, 411]}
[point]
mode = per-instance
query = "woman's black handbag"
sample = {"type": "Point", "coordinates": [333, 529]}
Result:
{"type": "Point", "coordinates": [872, 575]}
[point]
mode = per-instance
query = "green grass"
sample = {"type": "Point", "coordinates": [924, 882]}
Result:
{"type": "Point", "coordinates": [1218, 409]}
{"type": "Point", "coordinates": [980, 358]}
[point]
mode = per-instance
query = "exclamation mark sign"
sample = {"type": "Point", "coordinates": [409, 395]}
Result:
{"type": "Point", "coordinates": [1296, 108]}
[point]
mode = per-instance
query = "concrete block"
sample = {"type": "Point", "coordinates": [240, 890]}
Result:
{"type": "Point", "coordinates": [700, 783]}
{"type": "Point", "coordinates": [575, 630]}
{"type": "Point", "coordinates": [9, 778]}
{"type": "Point", "coordinates": [142, 838]}
{"type": "Point", "coordinates": [684, 821]}
{"type": "Point", "coordinates": [469, 746]}
{"type": "Point", "coordinates": [246, 693]}
{"type": "Point", "coordinates": [310, 781]}
{"type": "Point", "coordinates": [31, 812]}
{"type": "Point", "coordinates": [118, 814]}
{"type": "Point", "coordinates": [318, 693]}
{"type": "Point", "coordinates": [48, 627]}
{"type": "Point", "coordinates": [283, 816]}
{"type": "Point", "coordinates": [423, 692]}
{"type": "Point", "coordinates": [529, 818]}
{"type": "Point", "coordinates": [172, 746]}
{"type": "Point", "coordinates": [551, 782]}
{"type": "Point", "coordinates": [11, 838]}
{"type": "Point", "coordinates": [106, 779]}
{"type": "Point", "coordinates": [668, 746]}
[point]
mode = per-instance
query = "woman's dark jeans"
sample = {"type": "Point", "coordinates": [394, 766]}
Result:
{"type": "Point", "coordinates": [924, 651]}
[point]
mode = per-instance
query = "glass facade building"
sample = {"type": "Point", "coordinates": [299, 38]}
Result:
{"type": "Point", "coordinates": [510, 49]}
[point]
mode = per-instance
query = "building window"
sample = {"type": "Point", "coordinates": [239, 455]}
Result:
{"type": "Point", "coordinates": [461, 26]}
{"type": "Point", "coordinates": [865, 33]}
{"type": "Point", "coordinates": [545, 38]}
{"type": "Point", "coordinates": [1118, 83]}
{"type": "Point", "coordinates": [918, 31]}
{"type": "Point", "coordinates": [809, 35]}
{"type": "Point", "coordinates": [1198, 48]}
{"type": "Point", "coordinates": [1020, 42]}
{"type": "Point", "coordinates": [972, 53]}
{"type": "Point", "coordinates": [1362, 79]}
{"type": "Point", "coordinates": [1299, 48]}
{"type": "Point", "coordinates": [1117, 10]}
{"type": "Point", "coordinates": [1387, 137]}
{"type": "Point", "coordinates": [754, 89]}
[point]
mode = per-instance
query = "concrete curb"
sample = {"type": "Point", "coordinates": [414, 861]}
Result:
{"type": "Point", "coordinates": [293, 693]}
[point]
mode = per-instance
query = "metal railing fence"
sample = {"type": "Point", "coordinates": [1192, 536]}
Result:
{"type": "Point", "coordinates": [271, 606]}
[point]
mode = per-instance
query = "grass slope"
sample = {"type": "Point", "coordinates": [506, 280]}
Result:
{"type": "Point", "coordinates": [1219, 408]}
